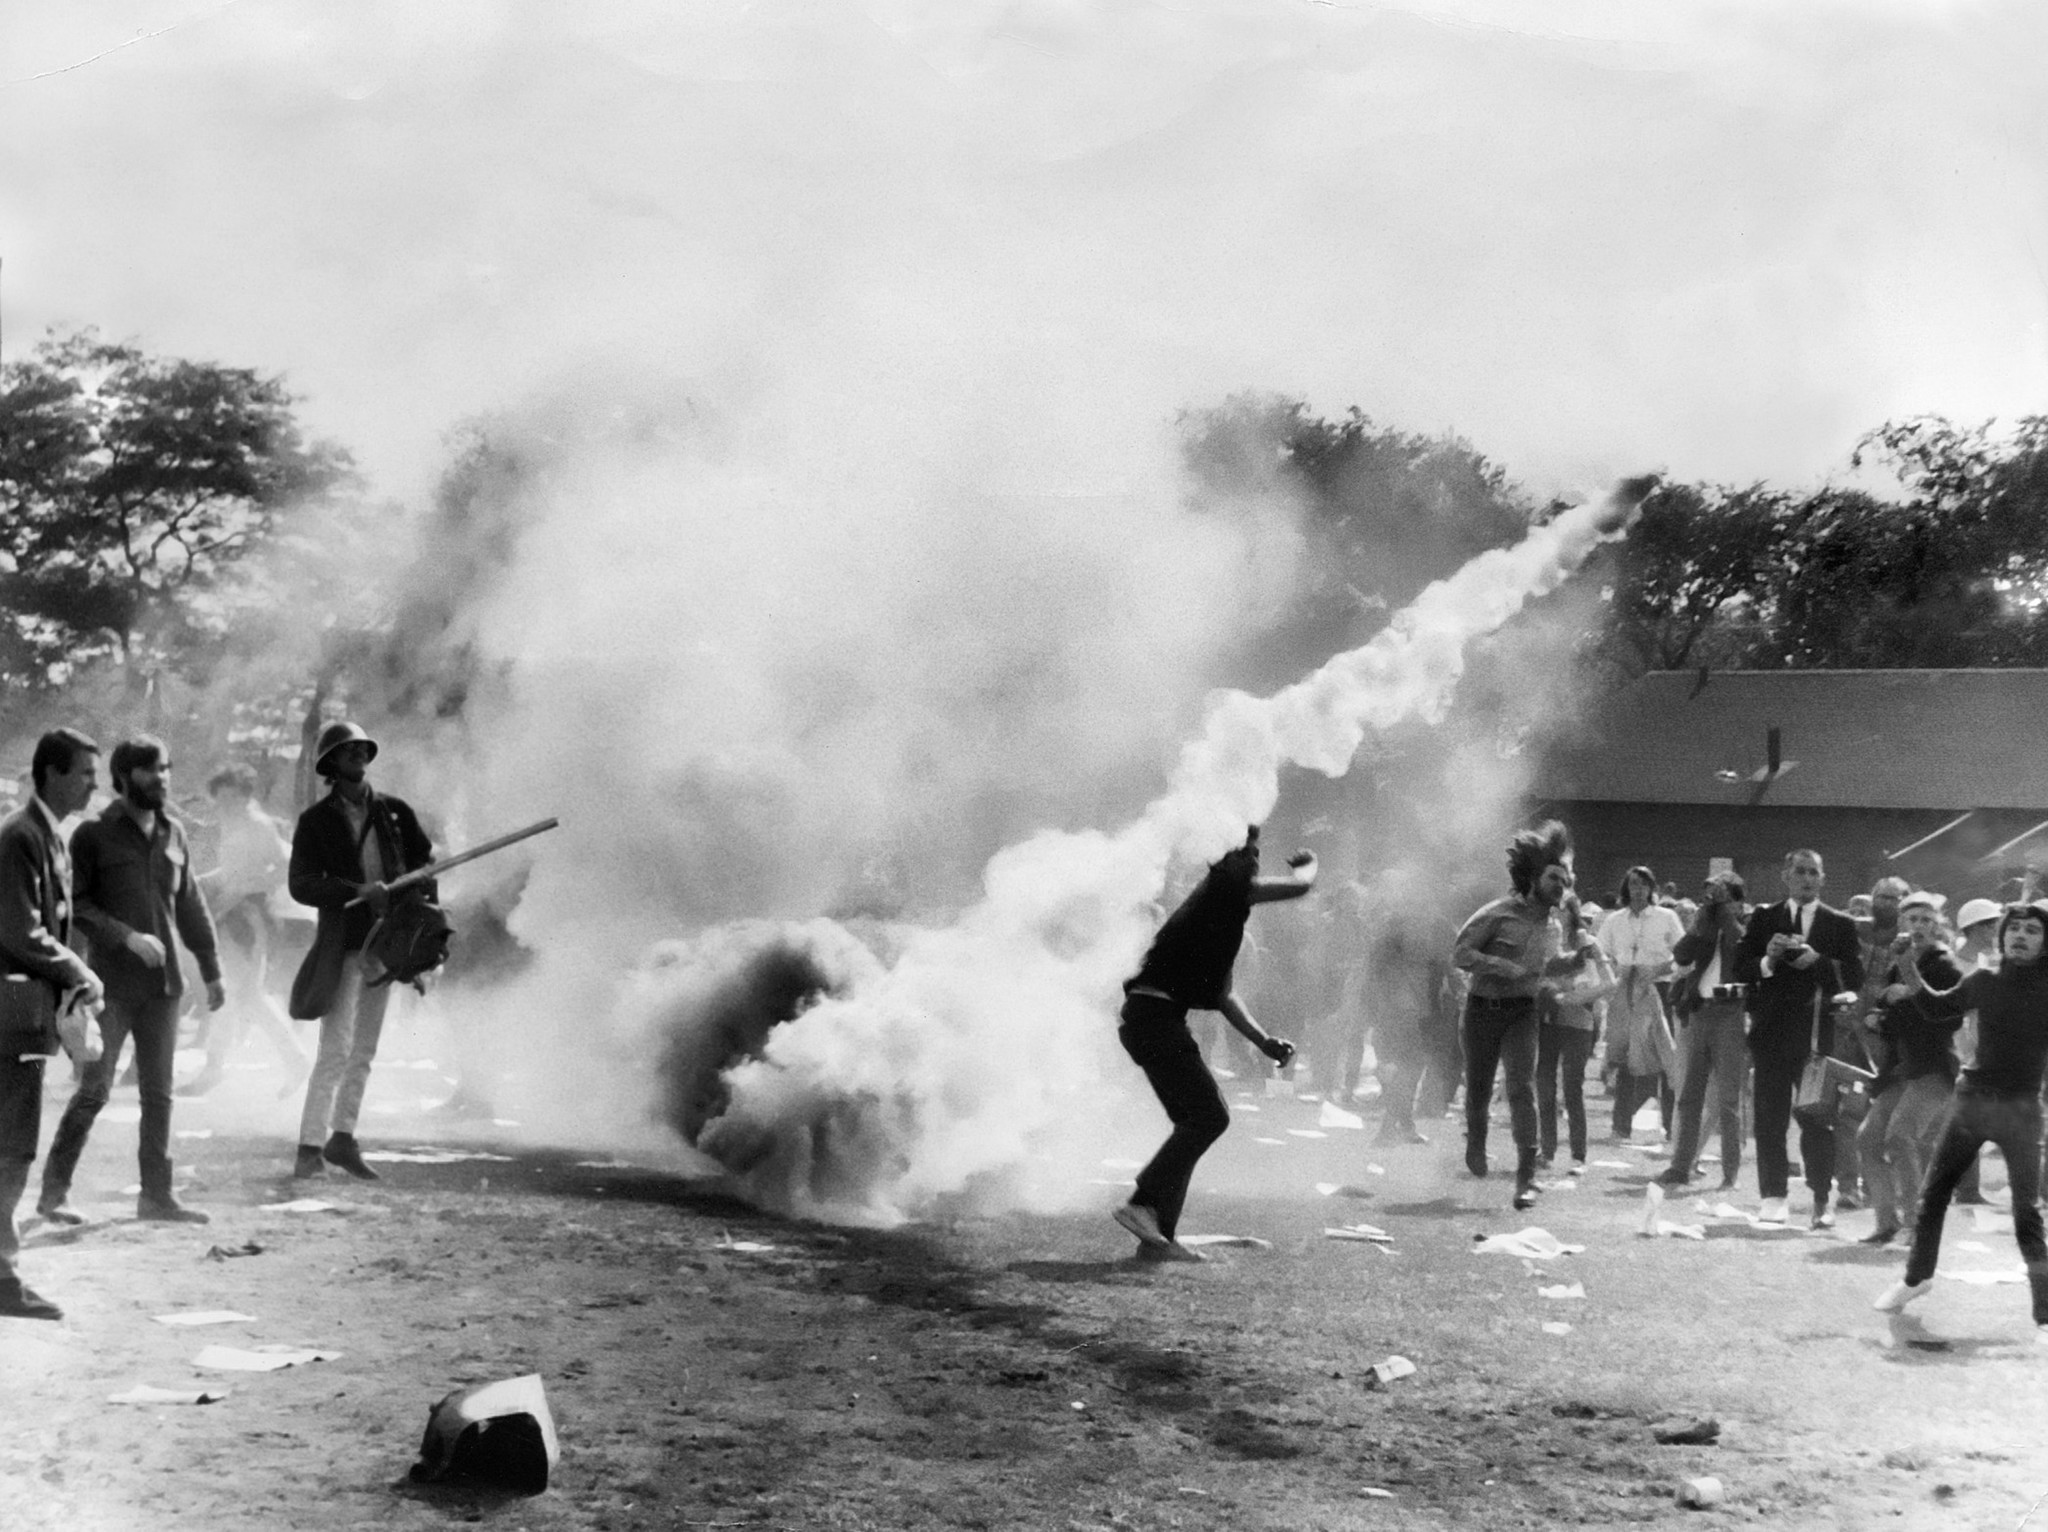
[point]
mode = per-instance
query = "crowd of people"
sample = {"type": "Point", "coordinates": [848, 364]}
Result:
{"type": "Point", "coordinates": [1896, 1039]}
{"type": "Point", "coordinates": [98, 929]}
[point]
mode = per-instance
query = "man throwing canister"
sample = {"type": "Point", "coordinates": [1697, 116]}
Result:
{"type": "Point", "coordinates": [35, 950]}
{"type": "Point", "coordinates": [138, 899]}
{"type": "Point", "coordinates": [1188, 969]}
{"type": "Point", "coordinates": [345, 850]}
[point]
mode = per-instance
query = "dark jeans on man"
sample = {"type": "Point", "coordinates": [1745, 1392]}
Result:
{"type": "Point", "coordinates": [2013, 1122]}
{"type": "Point", "coordinates": [1155, 1034]}
{"type": "Point", "coordinates": [1711, 1053]}
{"type": "Point", "coordinates": [1777, 1081]}
{"type": "Point", "coordinates": [153, 1023]}
{"type": "Point", "coordinates": [21, 1120]}
{"type": "Point", "coordinates": [1501, 1035]}
{"type": "Point", "coordinates": [1562, 1051]}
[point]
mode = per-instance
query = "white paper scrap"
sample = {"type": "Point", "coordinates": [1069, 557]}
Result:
{"type": "Point", "coordinates": [1563, 1290]}
{"type": "Point", "coordinates": [1556, 1327]}
{"type": "Point", "coordinates": [145, 1393]}
{"type": "Point", "coordinates": [1334, 1116]}
{"type": "Point", "coordinates": [1242, 1241]}
{"type": "Point", "coordinates": [745, 1246]}
{"type": "Point", "coordinates": [1531, 1243]}
{"type": "Point", "coordinates": [1986, 1278]}
{"type": "Point", "coordinates": [265, 1359]}
{"type": "Point", "coordinates": [1308, 1133]}
{"type": "Point", "coordinates": [300, 1205]}
{"type": "Point", "coordinates": [205, 1317]}
{"type": "Point", "coordinates": [1364, 1231]}
{"type": "Point", "coordinates": [1279, 1141]}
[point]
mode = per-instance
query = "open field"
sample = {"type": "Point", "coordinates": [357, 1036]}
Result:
{"type": "Point", "coordinates": [1017, 1372]}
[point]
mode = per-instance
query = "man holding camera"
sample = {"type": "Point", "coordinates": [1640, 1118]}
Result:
{"type": "Point", "coordinates": [1708, 1003]}
{"type": "Point", "coordinates": [1188, 968]}
{"type": "Point", "coordinates": [1799, 959]}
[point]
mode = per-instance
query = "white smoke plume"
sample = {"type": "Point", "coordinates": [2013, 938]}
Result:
{"type": "Point", "coordinates": [897, 1085]}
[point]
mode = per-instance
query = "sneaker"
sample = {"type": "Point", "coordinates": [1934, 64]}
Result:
{"type": "Point", "coordinates": [18, 1302]}
{"type": "Point", "coordinates": [341, 1149]}
{"type": "Point", "coordinates": [1673, 1177]}
{"type": "Point", "coordinates": [1823, 1217]}
{"type": "Point", "coordinates": [1894, 1299]}
{"type": "Point", "coordinates": [1848, 1202]}
{"type": "Point", "coordinates": [61, 1212]}
{"type": "Point", "coordinates": [1773, 1211]}
{"type": "Point", "coordinates": [1475, 1161]}
{"type": "Point", "coordinates": [309, 1163]}
{"type": "Point", "coordinates": [1880, 1236]}
{"type": "Point", "coordinates": [1144, 1223]}
{"type": "Point", "coordinates": [1578, 1167]}
{"type": "Point", "coordinates": [1525, 1196]}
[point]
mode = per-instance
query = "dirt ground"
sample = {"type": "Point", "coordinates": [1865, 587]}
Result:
{"type": "Point", "coordinates": [1018, 1372]}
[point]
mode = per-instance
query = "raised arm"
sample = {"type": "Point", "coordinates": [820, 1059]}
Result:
{"type": "Point", "coordinates": [1302, 879]}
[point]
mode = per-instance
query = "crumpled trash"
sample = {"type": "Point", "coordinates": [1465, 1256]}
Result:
{"type": "Point", "coordinates": [1334, 1116]}
{"type": "Point", "coordinates": [1990, 1220]}
{"type": "Point", "coordinates": [301, 1205]}
{"type": "Point", "coordinates": [1686, 1430]}
{"type": "Point", "coordinates": [1556, 1327]}
{"type": "Point", "coordinates": [145, 1393]}
{"type": "Point", "coordinates": [230, 1252]}
{"type": "Point", "coordinates": [205, 1317]}
{"type": "Point", "coordinates": [1699, 1494]}
{"type": "Point", "coordinates": [1380, 1374]}
{"type": "Point", "coordinates": [1986, 1278]}
{"type": "Point", "coordinates": [502, 1432]}
{"type": "Point", "coordinates": [1370, 1233]}
{"type": "Point", "coordinates": [1240, 1241]}
{"type": "Point", "coordinates": [1654, 1225]}
{"type": "Point", "coordinates": [1563, 1290]}
{"type": "Point", "coordinates": [1532, 1244]}
{"type": "Point", "coordinates": [1306, 1133]}
{"type": "Point", "coordinates": [1335, 1189]}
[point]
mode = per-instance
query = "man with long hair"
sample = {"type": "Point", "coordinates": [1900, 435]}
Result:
{"type": "Point", "coordinates": [1509, 947]}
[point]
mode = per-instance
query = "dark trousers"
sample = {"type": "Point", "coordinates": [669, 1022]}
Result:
{"type": "Point", "coordinates": [1711, 1054]}
{"type": "Point", "coordinates": [21, 1120]}
{"type": "Point", "coordinates": [1777, 1079]}
{"type": "Point", "coordinates": [1501, 1035]}
{"type": "Point", "coordinates": [153, 1023]}
{"type": "Point", "coordinates": [2014, 1124]}
{"type": "Point", "coordinates": [1562, 1051]}
{"type": "Point", "coordinates": [1155, 1034]}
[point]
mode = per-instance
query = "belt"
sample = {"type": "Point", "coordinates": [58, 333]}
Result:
{"type": "Point", "coordinates": [1500, 1002]}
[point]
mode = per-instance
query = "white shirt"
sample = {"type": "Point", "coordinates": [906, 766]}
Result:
{"type": "Point", "coordinates": [1641, 941]}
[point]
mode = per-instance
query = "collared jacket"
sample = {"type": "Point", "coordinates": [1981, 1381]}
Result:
{"type": "Point", "coordinates": [125, 882]}
{"type": "Point", "coordinates": [35, 907]}
{"type": "Point", "coordinates": [326, 870]}
{"type": "Point", "coordinates": [1788, 1007]}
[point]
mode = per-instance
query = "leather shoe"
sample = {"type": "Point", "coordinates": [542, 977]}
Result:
{"type": "Point", "coordinates": [18, 1302]}
{"type": "Point", "coordinates": [167, 1210]}
{"type": "Point", "coordinates": [342, 1150]}
{"type": "Point", "coordinates": [1673, 1177]}
{"type": "Point", "coordinates": [1525, 1196]}
{"type": "Point", "coordinates": [1475, 1161]}
{"type": "Point", "coordinates": [309, 1163]}
{"type": "Point", "coordinates": [61, 1211]}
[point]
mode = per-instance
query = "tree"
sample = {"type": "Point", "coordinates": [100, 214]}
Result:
{"type": "Point", "coordinates": [131, 486]}
{"type": "Point", "coordinates": [1692, 581]}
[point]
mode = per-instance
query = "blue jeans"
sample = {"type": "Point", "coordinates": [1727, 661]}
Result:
{"type": "Point", "coordinates": [1711, 1053]}
{"type": "Point", "coordinates": [2014, 1124]}
{"type": "Point", "coordinates": [1562, 1051]}
{"type": "Point", "coordinates": [153, 1023]}
{"type": "Point", "coordinates": [1501, 1035]}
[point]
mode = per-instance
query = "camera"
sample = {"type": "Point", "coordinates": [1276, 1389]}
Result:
{"type": "Point", "coordinates": [1730, 991]}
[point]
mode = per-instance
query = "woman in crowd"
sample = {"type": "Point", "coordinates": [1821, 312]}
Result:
{"type": "Point", "coordinates": [1916, 1068]}
{"type": "Point", "coordinates": [1637, 938]}
{"type": "Point", "coordinates": [1568, 1016]}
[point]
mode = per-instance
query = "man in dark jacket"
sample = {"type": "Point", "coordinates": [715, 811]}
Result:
{"type": "Point", "coordinates": [345, 850]}
{"type": "Point", "coordinates": [138, 898]}
{"type": "Point", "coordinates": [1796, 958]}
{"type": "Point", "coordinates": [35, 953]}
{"type": "Point", "coordinates": [1707, 1001]}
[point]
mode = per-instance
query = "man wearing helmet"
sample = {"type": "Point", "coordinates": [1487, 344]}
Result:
{"type": "Point", "coordinates": [345, 851]}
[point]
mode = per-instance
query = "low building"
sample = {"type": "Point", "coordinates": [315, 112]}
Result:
{"type": "Point", "coordinates": [1935, 775]}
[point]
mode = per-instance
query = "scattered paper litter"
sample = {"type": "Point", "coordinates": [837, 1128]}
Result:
{"type": "Point", "coordinates": [1566, 1185]}
{"type": "Point", "coordinates": [1242, 1241]}
{"type": "Point", "coordinates": [1373, 1491]}
{"type": "Point", "coordinates": [263, 1359]}
{"type": "Point", "coordinates": [300, 1205]}
{"type": "Point", "coordinates": [1375, 1170]}
{"type": "Point", "coordinates": [745, 1246]}
{"type": "Point", "coordinates": [1612, 1164]}
{"type": "Point", "coordinates": [1986, 1278]}
{"type": "Point", "coordinates": [431, 1156]}
{"type": "Point", "coordinates": [1556, 1327]}
{"type": "Point", "coordinates": [1364, 1231]}
{"type": "Point", "coordinates": [205, 1317]}
{"type": "Point", "coordinates": [1991, 1221]}
{"type": "Point", "coordinates": [1976, 1245]}
{"type": "Point", "coordinates": [229, 1252]}
{"type": "Point", "coordinates": [1383, 1373]}
{"type": "Point", "coordinates": [1667, 1230]}
{"type": "Point", "coordinates": [1336, 1189]}
{"type": "Point", "coordinates": [1726, 1210]}
{"type": "Point", "coordinates": [1532, 1243]}
{"type": "Point", "coordinates": [193, 1133]}
{"type": "Point", "coordinates": [1563, 1290]}
{"type": "Point", "coordinates": [1245, 1106]}
{"type": "Point", "coordinates": [1308, 1133]}
{"type": "Point", "coordinates": [1334, 1116]}
{"type": "Point", "coordinates": [144, 1393]}
{"type": "Point", "coordinates": [1280, 1141]}
{"type": "Point", "coordinates": [628, 1165]}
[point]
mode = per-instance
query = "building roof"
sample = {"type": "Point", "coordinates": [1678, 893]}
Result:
{"type": "Point", "coordinates": [1895, 739]}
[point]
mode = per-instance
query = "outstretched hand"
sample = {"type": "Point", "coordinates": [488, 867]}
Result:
{"type": "Point", "coordinates": [1279, 1050]}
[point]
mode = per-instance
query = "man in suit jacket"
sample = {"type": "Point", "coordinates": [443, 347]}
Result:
{"type": "Point", "coordinates": [345, 850]}
{"type": "Point", "coordinates": [1796, 957]}
{"type": "Point", "coordinates": [35, 935]}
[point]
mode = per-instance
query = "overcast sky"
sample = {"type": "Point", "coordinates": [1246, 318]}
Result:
{"type": "Point", "coordinates": [1721, 240]}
